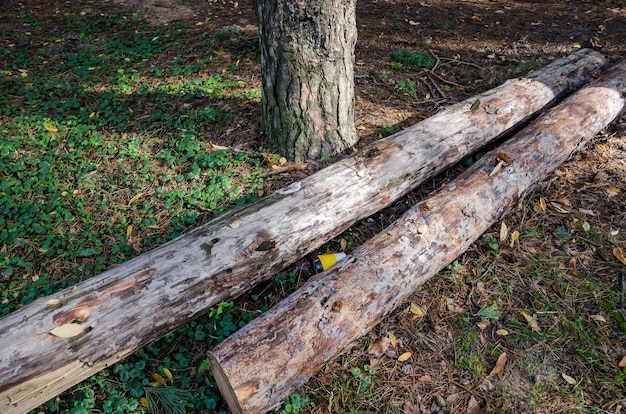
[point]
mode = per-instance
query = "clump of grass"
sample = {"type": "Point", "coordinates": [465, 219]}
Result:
{"type": "Point", "coordinates": [422, 59]}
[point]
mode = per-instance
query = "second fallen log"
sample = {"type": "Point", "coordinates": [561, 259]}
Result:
{"type": "Point", "coordinates": [260, 365]}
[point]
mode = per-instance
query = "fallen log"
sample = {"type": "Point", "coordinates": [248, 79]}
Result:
{"type": "Point", "coordinates": [123, 309]}
{"type": "Point", "coordinates": [260, 365]}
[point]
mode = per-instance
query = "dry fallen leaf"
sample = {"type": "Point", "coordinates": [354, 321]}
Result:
{"type": "Point", "coordinates": [67, 330]}
{"type": "Point", "coordinates": [168, 374]}
{"type": "Point", "coordinates": [569, 379]}
{"type": "Point", "coordinates": [405, 356]}
{"type": "Point", "coordinates": [531, 321]}
{"type": "Point", "coordinates": [417, 310]}
{"type": "Point", "coordinates": [500, 363]}
{"type": "Point", "coordinates": [379, 346]}
{"type": "Point", "coordinates": [504, 232]}
{"type": "Point", "coordinates": [425, 378]}
{"type": "Point", "coordinates": [50, 127]}
{"type": "Point", "coordinates": [514, 237]}
{"type": "Point", "coordinates": [502, 332]}
{"type": "Point", "coordinates": [473, 406]}
{"type": "Point", "coordinates": [135, 198]}
{"type": "Point", "coordinates": [159, 378]}
{"type": "Point", "coordinates": [598, 318]}
{"type": "Point", "coordinates": [572, 266]}
{"type": "Point", "coordinates": [392, 340]}
{"type": "Point", "coordinates": [622, 363]}
{"type": "Point", "coordinates": [617, 252]}
{"type": "Point", "coordinates": [540, 205]}
{"type": "Point", "coordinates": [586, 226]}
{"type": "Point", "coordinates": [602, 147]}
{"type": "Point", "coordinates": [483, 324]}
{"type": "Point", "coordinates": [235, 224]}
{"type": "Point", "coordinates": [344, 244]}
{"type": "Point", "coordinates": [129, 231]}
{"type": "Point", "coordinates": [612, 191]}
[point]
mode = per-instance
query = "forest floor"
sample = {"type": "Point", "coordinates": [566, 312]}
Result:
{"type": "Point", "coordinates": [552, 302]}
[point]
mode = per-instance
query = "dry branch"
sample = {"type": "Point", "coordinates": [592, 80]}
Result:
{"type": "Point", "coordinates": [258, 366]}
{"type": "Point", "coordinates": [142, 300]}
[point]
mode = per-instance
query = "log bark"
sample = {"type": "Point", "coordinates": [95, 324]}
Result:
{"type": "Point", "coordinates": [307, 58]}
{"type": "Point", "coordinates": [137, 302]}
{"type": "Point", "coordinates": [260, 365]}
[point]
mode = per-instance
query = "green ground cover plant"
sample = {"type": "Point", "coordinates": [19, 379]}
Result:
{"type": "Point", "coordinates": [103, 155]}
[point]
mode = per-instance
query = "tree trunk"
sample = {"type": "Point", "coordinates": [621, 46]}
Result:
{"type": "Point", "coordinates": [137, 302]}
{"type": "Point", "coordinates": [307, 54]}
{"type": "Point", "coordinates": [260, 365]}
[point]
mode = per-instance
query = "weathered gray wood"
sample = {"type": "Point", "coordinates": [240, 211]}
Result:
{"type": "Point", "coordinates": [260, 365]}
{"type": "Point", "coordinates": [142, 300]}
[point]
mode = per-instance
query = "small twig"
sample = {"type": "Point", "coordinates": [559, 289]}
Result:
{"type": "Point", "coordinates": [446, 81]}
{"type": "Point", "coordinates": [464, 63]}
{"type": "Point", "coordinates": [443, 95]}
{"type": "Point", "coordinates": [436, 57]}
{"type": "Point", "coordinates": [286, 168]}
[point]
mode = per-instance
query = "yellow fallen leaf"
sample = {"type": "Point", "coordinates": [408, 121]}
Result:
{"type": "Point", "coordinates": [568, 379]}
{"type": "Point", "coordinates": [405, 356]}
{"type": "Point", "coordinates": [159, 378]}
{"type": "Point", "coordinates": [143, 401]}
{"type": "Point", "coordinates": [129, 231]}
{"type": "Point", "coordinates": [135, 198]}
{"type": "Point", "coordinates": [91, 115]}
{"type": "Point", "coordinates": [617, 252]}
{"type": "Point", "coordinates": [586, 226]}
{"type": "Point", "coordinates": [602, 147]}
{"type": "Point", "coordinates": [499, 11]}
{"type": "Point", "coordinates": [504, 232]}
{"type": "Point", "coordinates": [514, 237]}
{"type": "Point", "coordinates": [502, 332]}
{"type": "Point", "coordinates": [168, 374]}
{"type": "Point", "coordinates": [219, 52]}
{"type": "Point", "coordinates": [392, 340]}
{"type": "Point", "coordinates": [540, 205]}
{"type": "Point", "coordinates": [417, 310]}
{"type": "Point", "coordinates": [500, 363]}
{"type": "Point", "coordinates": [622, 363]}
{"type": "Point", "coordinates": [531, 321]}
{"type": "Point", "coordinates": [67, 330]}
{"type": "Point", "coordinates": [50, 127]}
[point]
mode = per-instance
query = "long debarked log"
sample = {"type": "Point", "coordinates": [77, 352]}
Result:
{"type": "Point", "coordinates": [258, 366]}
{"type": "Point", "coordinates": [143, 299]}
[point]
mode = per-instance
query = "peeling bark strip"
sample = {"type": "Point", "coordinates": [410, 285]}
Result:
{"type": "Point", "coordinates": [307, 54]}
{"type": "Point", "coordinates": [137, 302]}
{"type": "Point", "coordinates": [260, 365]}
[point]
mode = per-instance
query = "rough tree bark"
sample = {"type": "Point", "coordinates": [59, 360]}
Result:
{"type": "Point", "coordinates": [307, 54]}
{"type": "Point", "coordinates": [260, 365]}
{"type": "Point", "coordinates": [143, 299]}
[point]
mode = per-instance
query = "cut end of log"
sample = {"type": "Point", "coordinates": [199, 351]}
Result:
{"type": "Point", "coordinates": [224, 385]}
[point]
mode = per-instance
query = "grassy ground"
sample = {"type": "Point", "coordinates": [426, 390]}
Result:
{"type": "Point", "coordinates": [117, 135]}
